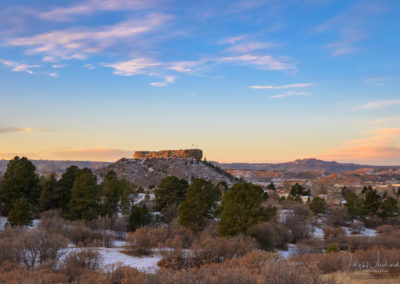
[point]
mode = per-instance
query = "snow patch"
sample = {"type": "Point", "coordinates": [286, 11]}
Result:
{"type": "Point", "coordinates": [292, 251]}
{"type": "Point", "coordinates": [114, 256]}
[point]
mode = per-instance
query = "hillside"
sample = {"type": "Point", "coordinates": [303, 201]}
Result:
{"type": "Point", "coordinates": [301, 165]}
{"type": "Point", "coordinates": [149, 172]}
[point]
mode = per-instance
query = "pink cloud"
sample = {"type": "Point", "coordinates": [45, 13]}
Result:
{"type": "Point", "coordinates": [381, 146]}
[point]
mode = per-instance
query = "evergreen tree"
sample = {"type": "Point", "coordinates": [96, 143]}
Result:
{"type": "Point", "coordinates": [371, 202]}
{"type": "Point", "coordinates": [66, 183]}
{"type": "Point", "coordinates": [389, 208]}
{"type": "Point", "coordinates": [50, 194]}
{"type": "Point", "coordinates": [318, 205]}
{"type": "Point", "coordinates": [139, 217]}
{"type": "Point", "coordinates": [85, 197]}
{"type": "Point", "coordinates": [129, 194]}
{"type": "Point", "coordinates": [353, 205]}
{"type": "Point", "coordinates": [271, 186]}
{"type": "Point", "coordinates": [19, 181]}
{"type": "Point", "coordinates": [242, 208]}
{"type": "Point", "coordinates": [112, 190]}
{"type": "Point", "coordinates": [20, 213]}
{"type": "Point", "coordinates": [199, 205]}
{"type": "Point", "coordinates": [297, 190]}
{"type": "Point", "coordinates": [170, 191]}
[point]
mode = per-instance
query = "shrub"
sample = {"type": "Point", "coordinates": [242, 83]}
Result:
{"type": "Point", "coordinates": [219, 249]}
{"type": "Point", "coordinates": [335, 235]}
{"type": "Point", "coordinates": [297, 221]}
{"type": "Point", "coordinates": [270, 235]}
{"type": "Point", "coordinates": [359, 243]}
{"type": "Point", "coordinates": [337, 216]}
{"type": "Point", "coordinates": [77, 262]}
{"type": "Point", "coordinates": [332, 247]}
{"type": "Point", "coordinates": [126, 275]}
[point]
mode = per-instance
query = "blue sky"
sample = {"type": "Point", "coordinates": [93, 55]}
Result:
{"type": "Point", "coordinates": [248, 81]}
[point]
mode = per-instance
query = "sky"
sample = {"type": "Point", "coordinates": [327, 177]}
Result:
{"type": "Point", "coordinates": [246, 80]}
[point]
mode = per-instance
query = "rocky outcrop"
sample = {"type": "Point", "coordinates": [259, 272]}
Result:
{"type": "Point", "coordinates": [148, 172]}
{"type": "Point", "coordinates": [196, 154]}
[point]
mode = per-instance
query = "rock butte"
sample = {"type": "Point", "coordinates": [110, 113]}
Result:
{"type": "Point", "coordinates": [183, 154]}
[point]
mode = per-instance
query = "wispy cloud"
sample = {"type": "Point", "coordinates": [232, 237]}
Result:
{"type": "Point", "coordinates": [94, 6]}
{"type": "Point", "coordinates": [89, 66]}
{"type": "Point", "coordinates": [250, 46]}
{"type": "Point", "coordinates": [15, 129]}
{"type": "Point", "coordinates": [289, 94]}
{"type": "Point", "coordinates": [266, 62]}
{"type": "Point", "coordinates": [168, 80]}
{"type": "Point", "coordinates": [18, 67]}
{"type": "Point", "coordinates": [376, 105]}
{"type": "Point", "coordinates": [185, 66]}
{"type": "Point", "coordinates": [381, 145]}
{"type": "Point", "coordinates": [288, 86]}
{"type": "Point", "coordinates": [133, 66]}
{"type": "Point", "coordinates": [94, 154]}
{"type": "Point", "coordinates": [386, 120]}
{"type": "Point", "coordinates": [77, 43]}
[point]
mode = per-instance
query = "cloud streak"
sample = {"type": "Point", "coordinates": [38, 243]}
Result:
{"type": "Point", "coordinates": [289, 94]}
{"type": "Point", "coordinates": [78, 43]}
{"type": "Point", "coordinates": [376, 105]}
{"type": "Point", "coordinates": [15, 129]}
{"type": "Point", "coordinates": [133, 67]}
{"type": "Point", "coordinates": [18, 67]}
{"type": "Point", "coordinates": [288, 86]}
{"type": "Point", "coordinates": [94, 6]}
{"type": "Point", "coordinates": [265, 62]}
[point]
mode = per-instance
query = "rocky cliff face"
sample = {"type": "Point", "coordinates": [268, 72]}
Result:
{"type": "Point", "coordinates": [148, 172]}
{"type": "Point", "coordinates": [196, 154]}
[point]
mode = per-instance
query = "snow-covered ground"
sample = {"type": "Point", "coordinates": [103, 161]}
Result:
{"type": "Point", "coordinates": [114, 256]}
{"type": "Point", "coordinates": [142, 196]}
{"type": "Point", "coordinates": [3, 221]}
{"type": "Point", "coordinates": [318, 233]}
{"type": "Point", "coordinates": [292, 251]}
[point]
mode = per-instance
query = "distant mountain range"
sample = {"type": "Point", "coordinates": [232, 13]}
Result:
{"type": "Point", "coordinates": [45, 167]}
{"type": "Point", "coordinates": [301, 165]}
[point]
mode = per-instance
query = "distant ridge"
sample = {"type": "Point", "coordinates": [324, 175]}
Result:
{"type": "Point", "coordinates": [301, 165]}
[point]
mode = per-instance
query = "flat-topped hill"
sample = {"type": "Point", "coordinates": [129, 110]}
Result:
{"type": "Point", "coordinates": [196, 154]}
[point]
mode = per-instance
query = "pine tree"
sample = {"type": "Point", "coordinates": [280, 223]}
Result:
{"type": "Point", "coordinates": [19, 181]}
{"type": "Point", "coordinates": [353, 205]}
{"type": "Point", "coordinates": [139, 217]}
{"type": "Point", "coordinates": [199, 205]}
{"type": "Point", "coordinates": [85, 199]}
{"type": "Point", "coordinates": [66, 183]}
{"type": "Point", "coordinates": [271, 186]}
{"type": "Point", "coordinates": [170, 191]}
{"type": "Point", "coordinates": [112, 190]}
{"type": "Point", "coordinates": [371, 202]}
{"type": "Point", "coordinates": [389, 208]}
{"type": "Point", "coordinates": [50, 194]}
{"type": "Point", "coordinates": [242, 208]}
{"type": "Point", "coordinates": [318, 205]}
{"type": "Point", "coordinates": [20, 213]}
